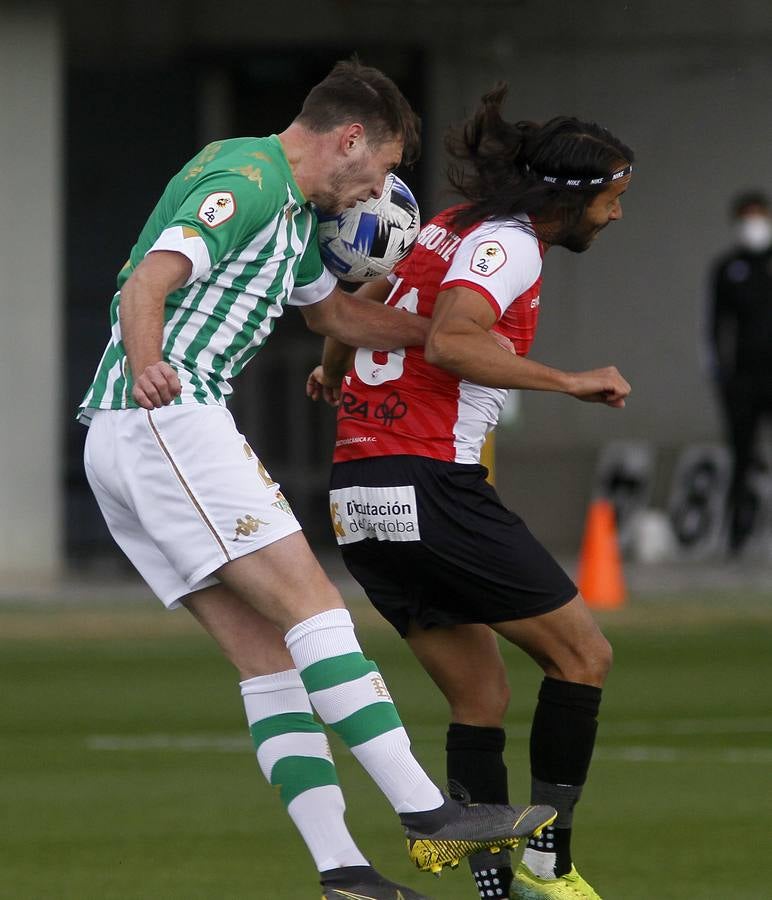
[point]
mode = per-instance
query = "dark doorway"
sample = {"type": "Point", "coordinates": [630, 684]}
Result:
{"type": "Point", "coordinates": [127, 131]}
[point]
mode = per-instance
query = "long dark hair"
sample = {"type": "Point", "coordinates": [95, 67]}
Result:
{"type": "Point", "coordinates": [498, 166]}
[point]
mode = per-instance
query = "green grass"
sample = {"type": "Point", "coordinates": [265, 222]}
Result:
{"type": "Point", "coordinates": [126, 770]}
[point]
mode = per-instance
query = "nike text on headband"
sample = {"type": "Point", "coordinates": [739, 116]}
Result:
{"type": "Point", "coordinates": [563, 181]}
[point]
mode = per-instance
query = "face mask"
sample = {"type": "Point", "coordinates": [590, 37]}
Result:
{"type": "Point", "coordinates": [754, 232]}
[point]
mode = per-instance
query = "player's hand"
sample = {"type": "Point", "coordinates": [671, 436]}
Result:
{"type": "Point", "coordinates": [319, 387]}
{"type": "Point", "coordinates": [600, 386]}
{"type": "Point", "coordinates": [157, 386]}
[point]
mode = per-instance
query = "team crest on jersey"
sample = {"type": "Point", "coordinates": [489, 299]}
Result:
{"type": "Point", "coordinates": [217, 208]}
{"type": "Point", "coordinates": [488, 257]}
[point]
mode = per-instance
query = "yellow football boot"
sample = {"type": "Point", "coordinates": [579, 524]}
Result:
{"type": "Point", "coordinates": [571, 886]}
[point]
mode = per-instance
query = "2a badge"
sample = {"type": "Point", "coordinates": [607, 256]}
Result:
{"type": "Point", "coordinates": [488, 257]}
{"type": "Point", "coordinates": [217, 208]}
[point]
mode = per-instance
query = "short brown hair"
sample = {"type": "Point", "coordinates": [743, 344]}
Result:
{"type": "Point", "coordinates": [355, 92]}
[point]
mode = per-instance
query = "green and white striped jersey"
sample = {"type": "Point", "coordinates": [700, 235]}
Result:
{"type": "Point", "coordinates": [237, 214]}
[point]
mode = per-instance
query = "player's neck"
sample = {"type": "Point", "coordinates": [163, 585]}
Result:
{"type": "Point", "coordinates": [305, 152]}
{"type": "Point", "coordinates": [546, 232]}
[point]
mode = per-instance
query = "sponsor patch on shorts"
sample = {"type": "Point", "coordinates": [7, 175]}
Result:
{"type": "Point", "coordinates": [384, 513]}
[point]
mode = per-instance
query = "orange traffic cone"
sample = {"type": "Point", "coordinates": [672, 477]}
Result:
{"type": "Point", "coordinates": [599, 577]}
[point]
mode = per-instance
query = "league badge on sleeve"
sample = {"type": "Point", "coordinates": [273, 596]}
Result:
{"type": "Point", "coordinates": [488, 257]}
{"type": "Point", "coordinates": [217, 208]}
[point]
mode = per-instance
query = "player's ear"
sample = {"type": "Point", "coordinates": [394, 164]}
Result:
{"type": "Point", "coordinates": [352, 138]}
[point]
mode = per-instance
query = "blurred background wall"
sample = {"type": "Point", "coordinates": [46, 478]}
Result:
{"type": "Point", "coordinates": [102, 102]}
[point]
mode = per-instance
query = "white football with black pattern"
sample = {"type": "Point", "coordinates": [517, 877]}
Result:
{"type": "Point", "coordinates": [368, 240]}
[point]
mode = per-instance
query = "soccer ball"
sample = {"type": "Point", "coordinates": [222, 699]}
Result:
{"type": "Point", "coordinates": [368, 240]}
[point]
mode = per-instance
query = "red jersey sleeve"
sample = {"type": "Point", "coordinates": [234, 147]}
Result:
{"type": "Point", "coordinates": [501, 261]}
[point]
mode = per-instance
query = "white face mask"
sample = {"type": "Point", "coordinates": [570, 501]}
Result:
{"type": "Point", "coordinates": [754, 232]}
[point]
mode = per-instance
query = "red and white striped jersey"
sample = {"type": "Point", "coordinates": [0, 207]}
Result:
{"type": "Point", "coordinates": [395, 402]}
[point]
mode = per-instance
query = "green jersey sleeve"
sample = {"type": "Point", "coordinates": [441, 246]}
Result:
{"type": "Point", "coordinates": [227, 211]}
{"type": "Point", "coordinates": [313, 282]}
{"type": "Point", "coordinates": [310, 266]}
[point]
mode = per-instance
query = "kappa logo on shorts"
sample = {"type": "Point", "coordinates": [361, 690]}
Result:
{"type": "Point", "coordinates": [248, 525]}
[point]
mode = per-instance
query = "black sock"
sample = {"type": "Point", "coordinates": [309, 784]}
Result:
{"type": "Point", "coordinates": [562, 740]}
{"type": "Point", "coordinates": [477, 774]}
{"type": "Point", "coordinates": [475, 761]}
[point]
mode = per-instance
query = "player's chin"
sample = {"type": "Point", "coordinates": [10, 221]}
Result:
{"type": "Point", "coordinates": [329, 206]}
{"type": "Point", "coordinates": [339, 205]}
{"type": "Point", "coordinates": [578, 244]}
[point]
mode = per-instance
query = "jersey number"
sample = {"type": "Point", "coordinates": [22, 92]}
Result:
{"type": "Point", "coordinates": [370, 366]}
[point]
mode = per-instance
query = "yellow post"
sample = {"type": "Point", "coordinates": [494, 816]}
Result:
{"type": "Point", "coordinates": [488, 456]}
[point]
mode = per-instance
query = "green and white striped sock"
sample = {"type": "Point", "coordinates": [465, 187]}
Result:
{"type": "Point", "coordinates": [294, 755]}
{"type": "Point", "coordinates": [349, 694]}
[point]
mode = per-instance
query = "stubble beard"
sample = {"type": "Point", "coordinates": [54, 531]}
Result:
{"type": "Point", "coordinates": [332, 201]}
{"type": "Point", "coordinates": [578, 242]}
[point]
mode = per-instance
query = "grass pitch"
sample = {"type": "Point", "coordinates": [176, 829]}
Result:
{"type": "Point", "coordinates": [126, 771]}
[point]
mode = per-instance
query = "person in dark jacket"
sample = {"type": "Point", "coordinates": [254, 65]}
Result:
{"type": "Point", "coordinates": [741, 339]}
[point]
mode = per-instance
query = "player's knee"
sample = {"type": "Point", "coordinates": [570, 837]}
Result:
{"type": "Point", "coordinates": [601, 660]}
{"type": "Point", "coordinates": [484, 703]}
{"type": "Point", "coordinates": [585, 663]}
{"type": "Point", "coordinates": [498, 702]}
{"type": "Point", "coordinates": [594, 662]}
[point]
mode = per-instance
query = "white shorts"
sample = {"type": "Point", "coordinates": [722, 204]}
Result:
{"type": "Point", "coordinates": [182, 493]}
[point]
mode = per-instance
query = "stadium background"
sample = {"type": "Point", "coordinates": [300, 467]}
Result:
{"type": "Point", "coordinates": [100, 103]}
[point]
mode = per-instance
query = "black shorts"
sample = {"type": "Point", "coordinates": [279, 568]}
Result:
{"type": "Point", "coordinates": [475, 561]}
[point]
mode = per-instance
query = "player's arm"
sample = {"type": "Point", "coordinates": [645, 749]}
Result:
{"type": "Point", "coordinates": [337, 357]}
{"type": "Point", "coordinates": [325, 379]}
{"type": "Point", "coordinates": [459, 341]}
{"type": "Point", "coordinates": [365, 324]}
{"type": "Point", "coordinates": [357, 320]}
{"type": "Point", "coordinates": [141, 312]}
{"type": "Point", "coordinates": [377, 290]}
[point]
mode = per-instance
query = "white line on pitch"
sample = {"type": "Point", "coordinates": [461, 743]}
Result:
{"type": "Point", "coordinates": [690, 726]}
{"type": "Point", "coordinates": [234, 744]}
{"type": "Point", "coordinates": [645, 727]}
{"type": "Point", "coordinates": [196, 742]}
{"type": "Point", "coordinates": [741, 755]}
{"type": "Point", "coordinates": [642, 728]}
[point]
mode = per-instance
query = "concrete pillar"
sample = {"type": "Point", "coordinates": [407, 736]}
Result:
{"type": "Point", "coordinates": [30, 292]}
